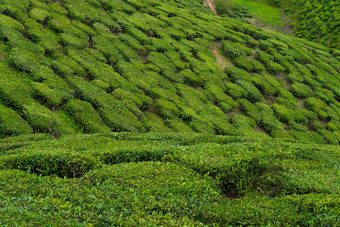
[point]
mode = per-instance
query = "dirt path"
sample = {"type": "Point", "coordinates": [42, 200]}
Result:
{"type": "Point", "coordinates": [211, 5]}
{"type": "Point", "coordinates": [222, 61]}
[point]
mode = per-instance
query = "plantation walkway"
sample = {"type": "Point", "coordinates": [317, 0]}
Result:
{"type": "Point", "coordinates": [211, 5]}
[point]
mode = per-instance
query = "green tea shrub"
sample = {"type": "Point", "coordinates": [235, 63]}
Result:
{"type": "Point", "coordinates": [11, 123]}
{"type": "Point", "coordinates": [39, 14]}
{"type": "Point", "coordinates": [234, 90]}
{"type": "Point", "coordinates": [309, 114]}
{"type": "Point", "coordinates": [253, 94]}
{"type": "Point", "coordinates": [301, 90]}
{"type": "Point", "coordinates": [120, 117]}
{"type": "Point", "coordinates": [243, 63]}
{"type": "Point", "coordinates": [265, 87]}
{"type": "Point", "coordinates": [178, 125]}
{"type": "Point", "coordinates": [219, 95]}
{"type": "Point", "coordinates": [268, 120]}
{"type": "Point", "coordinates": [13, 91]}
{"type": "Point", "coordinates": [250, 110]}
{"type": "Point", "coordinates": [153, 123]}
{"type": "Point", "coordinates": [236, 73]}
{"type": "Point", "coordinates": [86, 116]}
{"type": "Point", "coordinates": [233, 50]}
{"type": "Point", "coordinates": [166, 108]}
{"type": "Point", "coordinates": [283, 113]}
{"type": "Point", "coordinates": [329, 137]}
{"type": "Point", "coordinates": [60, 163]}
{"type": "Point", "coordinates": [10, 23]}
{"type": "Point", "coordinates": [52, 97]}
{"type": "Point", "coordinates": [298, 127]}
{"type": "Point", "coordinates": [317, 106]}
{"type": "Point", "coordinates": [223, 6]}
{"type": "Point", "coordinates": [71, 40]}
{"type": "Point", "coordinates": [67, 66]}
{"type": "Point", "coordinates": [41, 118]}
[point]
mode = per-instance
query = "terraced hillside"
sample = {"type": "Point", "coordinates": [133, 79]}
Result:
{"type": "Point", "coordinates": [316, 20]}
{"type": "Point", "coordinates": [172, 179]}
{"type": "Point", "coordinates": [95, 66]}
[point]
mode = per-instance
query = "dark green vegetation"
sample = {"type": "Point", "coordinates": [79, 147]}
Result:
{"type": "Point", "coordinates": [316, 20]}
{"type": "Point", "coordinates": [94, 66]}
{"type": "Point", "coordinates": [167, 179]}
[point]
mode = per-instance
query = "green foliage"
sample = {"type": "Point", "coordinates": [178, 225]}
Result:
{"type": "Point", "coordinates": [160, 66]}
{"type": "Point", "coordinates": [316, 20]}
{"type": "Point", "coordinates": [86, 116]}
{"type": "Point", "coordinates": [223, 6]}
{"type": "Point", "coordinates": [179, 178]}
{"type": "Point", "coordinates": [61, 163]}
{"type": "Point", "coordinates": [52, 97]}
{"type": "Point", "coordinates": [9, 22]}
{"type": "Point", "coordinates": [39, 14]}
{"type": "Point", "coordinates": [301, 90]}
{"type": "Point", "coordinates": [317, 105]}
{"type": "Point", "coordinates": [41, 118]}
{"type": "Point", "coordinates": [11, 123]}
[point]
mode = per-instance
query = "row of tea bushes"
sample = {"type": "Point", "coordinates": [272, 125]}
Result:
{"type": "Point", "coordinates": [316, 20]}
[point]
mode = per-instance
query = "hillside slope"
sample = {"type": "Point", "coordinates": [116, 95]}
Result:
{"type": "Point", "coordinates": [174, 179]}
{"type": "Point", "coordinates": [316, 20]}
{"type": "Point", "coordinates": [95, 66]}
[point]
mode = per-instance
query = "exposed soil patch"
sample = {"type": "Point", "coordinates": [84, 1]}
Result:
{"type": "Point", "coordinates": [259, 129]}
{"type": "Point", "coordinates": [153, 111]}
{"type": "Point", "coordinates": [284, 80]}
{"type": "Point", "coordinates": [211, 5]}
{"type": "Point", "coordinates": [143, 55]}
{"type": "Point", "coordinates": [285, 29]}
{"type": "Point", "coordinates": [231, 196]}
{"type": "Point", "coordinates": [300, 104]}
{"type": "Point", "coordinates": [222, 61]}
{"type": "Point", "coordinates": [2, 56]}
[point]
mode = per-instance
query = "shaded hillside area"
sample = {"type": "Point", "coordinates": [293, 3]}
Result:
{"type": "Point", "coordinates": [172, 179]}
{"type": "Point", "coordinates": [95, 66]}
{"type": "Point", "coordinates": [316, 20]}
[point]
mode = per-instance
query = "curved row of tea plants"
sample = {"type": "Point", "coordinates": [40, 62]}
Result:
{"type": "Point", "coordinates": [169, 179]}
{"type": "Point", "coordinates": [95, 66]}
{"type": "Point", "coordinates": [316, 20]}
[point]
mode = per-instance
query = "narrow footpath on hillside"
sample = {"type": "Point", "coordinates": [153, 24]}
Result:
{"type": "Point", "coordinates": [222, 61]}
{"type": "Point", "coordinates": [211, 5]}
{"type": "Point", "coordinates": [255, 21]}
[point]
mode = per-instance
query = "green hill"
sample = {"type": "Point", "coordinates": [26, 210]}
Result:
{"type": "Point", "coordinates": [95, 66]}
{"type": "Point", "coordinates": [169, 179]}
{"type": "Point", "coordinates": [158, 112]}
{"type": "Point", "coordinates": [316, 20]}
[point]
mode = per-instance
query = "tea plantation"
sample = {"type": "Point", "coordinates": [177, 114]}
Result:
{"type": "Point", "coordinates": [171, 179]}
{"type": "Point", "coordinates": [159, 112]}
{"type": "Point", "coordinates": [96, 66]}
{"type": "Point", "coordinates": [316, 20]}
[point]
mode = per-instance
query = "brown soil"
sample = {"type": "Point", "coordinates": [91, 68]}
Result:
{"type": "Point", "coordinates": [211, 5]}
{"type": "Point", "coordinates": [231, 196]}
{"type": "Point", "coordinates": [153, 111]}
{"type": "Point", "coordinates": [259, 129]}
{"type": "Point", "coordinates": [2, 56]}
{"type": "Point", "coordinates": [284, 80]}
{"type": "Point", "coordinates": [300, 104]}
{"type": "Point", "coordinates": [222, 61]}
